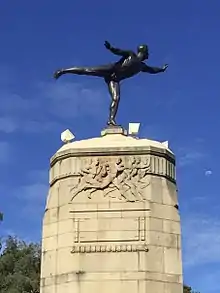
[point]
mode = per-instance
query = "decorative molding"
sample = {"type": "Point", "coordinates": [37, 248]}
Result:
{"type": "Point", "coordinates": [69, 175]}
{"type": "Point", "coordinates": [77, 231]}
{"type": "Point", "coordinates": [158, 166]}
{"type": "Point", "coordinates": [142, 228]}
{"type": "Point", "coordinates": [109, 210]}
{"type": "Point", "coordinates": [63, 176]}
{"type": "Point", "coordinates": [120, 178]}
{"type": "Point", "coordinates": [152, 151]}
{"type": "Point", "coordinates": [109, 248]}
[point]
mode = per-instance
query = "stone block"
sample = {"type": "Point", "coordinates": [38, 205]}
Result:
{"type": "Point", "coordinates": [173, 288]}
{"type": "Point", "coordinates": [154, 286]}
{"type": "Point", "coordinates": [155, 189]}
{"type": "Point", "coordinates": [66, 226]}
{"type": "Point", "coordinates": [64, 194]}
{"type": "Point", "coordinates": [49, 243]}
{"type": "Point", "coordinates": [53, 197]}
{"type": "Point", "coordinates": [66, 287]}
{"type": "Point", "coordinates": [154, 224]}
{"type": "Point", "coordinates": [172, 261]}
{"type": "Point", "coordinates": [162, 239]}
{"type": "Point", "coordinates": [65, 239]}
{"type": "Point", "coordinates": [169, 193]}
{"type": "Point", "coordinates": [66, 261]}
{"type": "Point", "coordinates": [170, 226]}
{"type": "Point", "coordinates": [163, 277]}
{"type": "Point", "coordinates": [108, 262]}
{"type": "Point", "coordinates": [50, 229]}
{"type": "Point", "coordinates": [63, 212]}
{"type": "Point", "coordinates": [48, 263]}
{"type": "Point", "coordinates": [163, 211]}
{"type": "Point", "coordinates": [153, 260]}
{"type": "Point", "coordinates": [49, 289]}
{"type": "Point", "coordinates": [51, 216]}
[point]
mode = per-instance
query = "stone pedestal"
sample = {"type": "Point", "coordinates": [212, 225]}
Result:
{"type": "Point", "coordinates": [111, 223]}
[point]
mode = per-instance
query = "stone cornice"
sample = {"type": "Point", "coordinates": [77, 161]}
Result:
{"type": "Point", "coordinates": [148, 150]}
{"type": "Point", "coordinates": [160, 163]}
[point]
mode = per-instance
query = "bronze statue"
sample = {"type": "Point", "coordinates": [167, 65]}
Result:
{"type": "Point", "coordinates": [129, 65]}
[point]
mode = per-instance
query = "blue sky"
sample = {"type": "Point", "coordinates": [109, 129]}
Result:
{"type": "Point", "coordinates": [181, 106]}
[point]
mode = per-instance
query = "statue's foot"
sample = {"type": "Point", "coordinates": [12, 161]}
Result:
{"type": "Point", "coordinates": [58, 73]}
{"type": "Point", "coordinates": [112, 122]}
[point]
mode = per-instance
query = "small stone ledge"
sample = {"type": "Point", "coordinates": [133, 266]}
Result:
{"type": "Point", "coordinates": [114, 130]}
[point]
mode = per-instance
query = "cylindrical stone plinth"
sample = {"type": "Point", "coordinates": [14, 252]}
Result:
{"type": "Point", "coordinates": [111, 223]}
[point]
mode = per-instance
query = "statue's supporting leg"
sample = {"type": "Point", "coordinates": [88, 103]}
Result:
{"type": "Point", "coordinates": [114, 90]}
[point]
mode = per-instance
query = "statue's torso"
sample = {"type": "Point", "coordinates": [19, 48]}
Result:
{"type": "Point", "coordinates": [127, 67]}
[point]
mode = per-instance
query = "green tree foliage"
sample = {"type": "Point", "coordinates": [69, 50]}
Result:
{"type": "Point", "coordinates": [1, 219]}
{"type": "Point", "coordinates": [187, 289]}
{"type": "Point", "coordinates": [19, 267]}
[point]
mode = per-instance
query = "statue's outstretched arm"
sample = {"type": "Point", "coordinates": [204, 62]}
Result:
{"type": "Point", "coordinates": [153, 70]}
{"type": "Point", "coordinates": [118, 51]}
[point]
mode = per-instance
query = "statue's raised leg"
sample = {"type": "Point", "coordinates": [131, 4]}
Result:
{"type": "Point", "coordinates": [99, 71]}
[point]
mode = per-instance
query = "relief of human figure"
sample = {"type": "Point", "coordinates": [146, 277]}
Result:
{"type": "Point", "coordinates": [136, 177]}
{"type": "Point", "coordinates": [115, 168]}
{"type": "Point", "coordinates": [108, 177]}
{"type": "Point", "coordinates": [122, 182]}
{"type": "Point", "coordinates": [120, 177]}
{"type": "Point", "coordinates": [143, 171]}
{"type": "Point", "coordinates": [88, 177]}
{"type": "Point", "coordinates": [95, 177]}
{"type": "Point", "coordinates": [130, 180]}
{"type": "Point", "coordinates": [103, 179]}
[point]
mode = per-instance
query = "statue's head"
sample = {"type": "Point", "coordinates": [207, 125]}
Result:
{"type": "Point", "coordinates": [96, 161]}
{"type": "Point", "coordinates": [118, 161]}
{"type": "Point", "coordinates": [143, 51]}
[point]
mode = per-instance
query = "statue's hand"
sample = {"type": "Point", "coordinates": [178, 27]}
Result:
{"type": "Point", "coordinates": [107, 45]}
{"type": "Point", "coordinates": [165, 67]}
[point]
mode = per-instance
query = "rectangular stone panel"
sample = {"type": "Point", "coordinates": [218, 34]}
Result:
{"type": "Point", "coordinates": [113, 224]}
{"type": "Point", "coordinates": [110, 230]}
{"type": "Point", "coordinates": [108, 236]}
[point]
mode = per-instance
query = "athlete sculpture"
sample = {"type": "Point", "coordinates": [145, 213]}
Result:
{"type": "Point", "coordinates": [129, 65]}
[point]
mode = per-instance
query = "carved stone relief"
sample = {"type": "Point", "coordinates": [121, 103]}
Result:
{"type": "Point", "coordinates": [125, 179]}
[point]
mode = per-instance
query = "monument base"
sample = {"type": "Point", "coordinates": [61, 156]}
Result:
{"type": "Point", "coordinates": [111, 225]}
